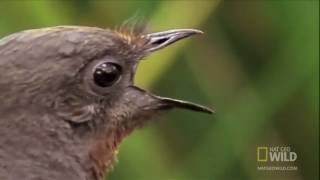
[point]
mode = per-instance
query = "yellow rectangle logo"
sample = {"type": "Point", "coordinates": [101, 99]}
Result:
{"type": "Point", "coordinates": [262, 154]}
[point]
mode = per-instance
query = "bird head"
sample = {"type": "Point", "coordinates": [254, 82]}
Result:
{"type": "Point", "coordinates": [85, 74]}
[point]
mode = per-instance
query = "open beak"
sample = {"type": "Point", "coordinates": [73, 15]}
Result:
{"type": "Point", "coordinates": [157, 41]}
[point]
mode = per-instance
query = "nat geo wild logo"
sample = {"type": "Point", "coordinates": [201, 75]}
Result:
{"type": "Point", "coordinates": [279, 158]}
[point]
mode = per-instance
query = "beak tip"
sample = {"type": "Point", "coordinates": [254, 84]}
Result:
{"type": "Point", "coordinates": [209, 110]}
{"type": "Point", "coordinates": [189, 32]}
{"type": "Point", "coordinates": [198, 31]}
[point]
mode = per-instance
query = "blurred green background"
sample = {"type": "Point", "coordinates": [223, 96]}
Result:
{"type": "Point", "coordinates": [257, 64]}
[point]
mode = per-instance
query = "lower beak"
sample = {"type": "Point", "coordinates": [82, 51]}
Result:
{"type": "Point", "coordinates": [148, 101]}
{"type": "Point", "coordinates": [168, 103]}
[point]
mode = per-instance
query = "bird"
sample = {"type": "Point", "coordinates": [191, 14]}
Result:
{"type": "Point", "coordinates": [68, 99]}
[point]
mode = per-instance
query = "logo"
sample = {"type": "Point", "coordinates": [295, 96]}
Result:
{"type": "Point", "coordinates": [270, 157]}
{"type": "Point", "coordinates": [276, 154]}
{"type": "Point", "coordinates": [262, 154]}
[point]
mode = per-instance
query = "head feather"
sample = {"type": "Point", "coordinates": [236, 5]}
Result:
{"type": "Point", "coordinates": [132, 31]}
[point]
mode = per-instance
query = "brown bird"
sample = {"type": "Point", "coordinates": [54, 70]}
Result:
{"type": "Point", "coordinates": [68, 99]}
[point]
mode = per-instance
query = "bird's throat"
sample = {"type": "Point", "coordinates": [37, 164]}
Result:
{"type": "Point", "coordinates": [104, 151]}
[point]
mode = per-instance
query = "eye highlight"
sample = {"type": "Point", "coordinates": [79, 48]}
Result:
{"type": "Point", "coordinates": [106, 74]}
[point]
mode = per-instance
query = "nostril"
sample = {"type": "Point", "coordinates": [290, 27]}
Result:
{"type": "Point", "coordinates": [160, 41]}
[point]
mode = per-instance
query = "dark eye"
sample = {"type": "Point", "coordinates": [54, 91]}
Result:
{"type": "Point", "coordinates": [106, 74]}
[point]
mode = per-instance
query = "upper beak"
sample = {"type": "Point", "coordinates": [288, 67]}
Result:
{"type": "Point", "coordinates": [159, 40]}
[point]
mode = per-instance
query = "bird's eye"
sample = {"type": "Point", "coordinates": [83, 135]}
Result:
{"type": "Point", "coordinates": [106, 74]}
